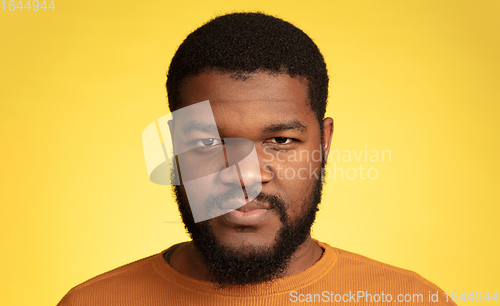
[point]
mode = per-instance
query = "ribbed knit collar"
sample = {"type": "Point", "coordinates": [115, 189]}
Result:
{"type": "Point", "coordinates": [278, 286]}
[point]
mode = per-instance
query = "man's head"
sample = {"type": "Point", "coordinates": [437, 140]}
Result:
{"type": "Point", "coordinates": [266, 82]}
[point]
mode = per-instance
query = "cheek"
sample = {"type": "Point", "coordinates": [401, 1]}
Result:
{"type": "Point", "coordinates": [297, 168]}
{"type": "Point", "coordinates": [296, 177]}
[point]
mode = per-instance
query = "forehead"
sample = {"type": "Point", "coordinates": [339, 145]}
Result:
{"type": "Point", "coordinates": [260, 98]}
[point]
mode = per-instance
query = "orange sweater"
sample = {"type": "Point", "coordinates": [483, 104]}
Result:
{"type": "Point", "coordinates": [339, 277]}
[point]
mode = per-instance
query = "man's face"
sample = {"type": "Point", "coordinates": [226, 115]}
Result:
{"type": "Point", "coordinates": [273, 112]}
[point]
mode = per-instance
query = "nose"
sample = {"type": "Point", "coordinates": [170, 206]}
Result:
{"type": "Point", "coordinates": [243, 166]}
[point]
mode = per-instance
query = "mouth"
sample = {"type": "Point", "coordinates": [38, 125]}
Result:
{"type": "Point", "coordinates": [250, 214]}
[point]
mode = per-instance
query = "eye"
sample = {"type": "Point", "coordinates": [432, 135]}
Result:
{"type": "Point", "coordinates": [281, 140]}
{"type": "Point", "coordinates": [208, 142]}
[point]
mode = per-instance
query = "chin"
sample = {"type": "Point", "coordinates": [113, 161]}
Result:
{"type": "Point", "coordinates": [247, 238]}
{"type": "Point", "coordinates": [247, 245]}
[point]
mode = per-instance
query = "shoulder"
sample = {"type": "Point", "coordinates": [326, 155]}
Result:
{"type": "Point", "coordinates": [356, 265]}
{"type": "Point", "coordinates": [124, 282]}
{"type": "Point", "coordinates": [358, 273]}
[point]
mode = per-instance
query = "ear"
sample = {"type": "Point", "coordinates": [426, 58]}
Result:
{"type": "Point", "coordinates": [327, 135]}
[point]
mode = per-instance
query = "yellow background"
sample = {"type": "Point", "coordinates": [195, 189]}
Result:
{"type": "Point", "coordinates": [79, 85]}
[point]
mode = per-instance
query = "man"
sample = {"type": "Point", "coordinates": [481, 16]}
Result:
{"type": "Point", "coordinates": [263, 85]}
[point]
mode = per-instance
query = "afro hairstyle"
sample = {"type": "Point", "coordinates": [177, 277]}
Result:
{"type": "Point", "coordinates": [244, 43]}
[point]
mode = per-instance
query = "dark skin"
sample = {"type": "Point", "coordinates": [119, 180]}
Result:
{"type": "Point", "coordinates": [285, 132]}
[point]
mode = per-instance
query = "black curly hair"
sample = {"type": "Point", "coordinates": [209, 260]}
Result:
{"type": "Point", "coordinates": [243, 43]}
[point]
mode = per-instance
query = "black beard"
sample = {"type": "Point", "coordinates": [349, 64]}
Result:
{"type": "Point", "coordinates": [229, 267]}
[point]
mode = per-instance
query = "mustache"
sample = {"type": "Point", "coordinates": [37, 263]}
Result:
{"type": "Point", "coordinates": [275, 202]}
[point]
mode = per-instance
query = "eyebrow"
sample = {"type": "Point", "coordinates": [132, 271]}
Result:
{"type": "Point", "coordinates": [199, 126]}
{"type": "Point", "coordinates": [294, 125]}
{"type": "Point", "coordinates": [286, 126]}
